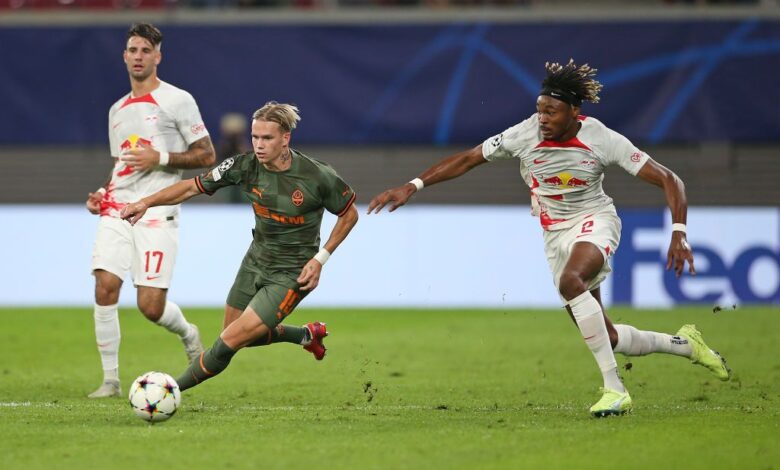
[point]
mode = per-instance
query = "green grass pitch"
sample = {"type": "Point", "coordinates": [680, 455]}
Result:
{"type": "Point", "coordinates": [398, 389]}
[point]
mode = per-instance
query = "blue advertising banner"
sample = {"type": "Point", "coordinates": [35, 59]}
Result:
{"type": "Point", "coordinates": [436, 83]}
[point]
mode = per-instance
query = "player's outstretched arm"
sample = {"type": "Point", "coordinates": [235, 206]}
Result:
{"type": "Point", "coordinates": [173, 194]}
{"type": "Point", "coordinates": [310, 274]}
{"type": "Point", "coordinates": [674, 189]}
{"type": "Point", "coordinates": [199, 154]}
{"type": "Point", "coordinates": [447, 169]}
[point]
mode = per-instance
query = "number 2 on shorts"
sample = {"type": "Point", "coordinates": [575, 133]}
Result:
{"type": "Point", "coordinates": [587, 227]}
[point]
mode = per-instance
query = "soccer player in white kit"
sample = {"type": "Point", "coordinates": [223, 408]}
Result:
{"type": "Point", "coordinates": [155, 131]}
{"type": "Point", "coordinates": [563, 156]}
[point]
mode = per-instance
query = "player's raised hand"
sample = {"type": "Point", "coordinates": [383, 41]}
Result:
{"type": "Point", "coordinates": [393, 198]}
{"type": "Point", "coordinates": [133, 212]}
{"type": "Point", "coordinates": [93, 201]}
{"type": "Point", "coordinates": [680, 252]}
{"type": "Point", "coordinates": [143, 157]}
{"type": "Point", "coordinates": [309, 278]}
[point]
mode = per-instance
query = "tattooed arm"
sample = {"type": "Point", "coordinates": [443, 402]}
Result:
{"type": "Point", "coordinates": [200, 154]}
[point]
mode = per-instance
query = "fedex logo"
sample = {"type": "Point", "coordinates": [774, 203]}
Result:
{"type": "Point", "coordinates": [733, 262]}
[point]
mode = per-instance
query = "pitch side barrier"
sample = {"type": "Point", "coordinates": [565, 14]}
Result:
{"type": "Point", "coordinates": [418, 256]}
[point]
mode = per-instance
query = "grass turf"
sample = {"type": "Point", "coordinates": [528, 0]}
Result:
{"type": "Point", "coordinates": [398, 389]}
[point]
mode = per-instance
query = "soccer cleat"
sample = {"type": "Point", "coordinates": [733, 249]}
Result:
{"type": "Point", "coordinates": [612, 403]}
{"type": "Point", "coordinates": [109, 388]}
{"type": "Point", "coordinates": [192, 344]}
{"type": "Point", "coordinates": [702, 354]}
{"type": "Point", "coordinates": [317, 331]}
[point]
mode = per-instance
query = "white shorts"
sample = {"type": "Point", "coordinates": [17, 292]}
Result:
{"type": "Point", "coordinates": [601, 229]}
{"type": "Point", "coordinates": [147, 252]}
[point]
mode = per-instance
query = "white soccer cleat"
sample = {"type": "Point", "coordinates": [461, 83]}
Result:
{"type": "Point", "coordinates": [109, 388]}
{"type": "Point", "coordinates": [192, 344]}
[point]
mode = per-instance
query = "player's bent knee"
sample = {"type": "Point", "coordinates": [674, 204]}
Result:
{"type": "Point", "coordinates": [151, 311]}
{"type": "Point", "coordinates": [571, 285]}
{"type": "Point", "coordinates": [245, 330]}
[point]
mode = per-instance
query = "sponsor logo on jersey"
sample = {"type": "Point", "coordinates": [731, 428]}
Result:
{"type": "Point", "coordinates": [539, 162]}
{"type": "Point", "coordinates": [297, 197]}
{"type": "Point", "coordinates": [151, 119]}
{"type": "Point", "coordinates": [266, 213]}
{"type": "Point", "coordinates": [636, 156]}
{"type": "Point", "coordinates": [564, 180]}
{"type": "Point", "coordinates": [197, 128]}
{"type": "Point", "coordinates": [587, 163]}
{"type": "Point", "coordinates": [134, 141]}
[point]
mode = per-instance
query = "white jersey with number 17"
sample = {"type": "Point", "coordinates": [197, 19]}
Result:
{"type": "Point", "coordinates": [565, 177]}
{"type": "Point", "coordinates": [168, 120]}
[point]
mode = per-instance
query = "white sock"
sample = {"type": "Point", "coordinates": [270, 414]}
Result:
{"type": "Point", "coordinates": [589, 317]}
{"type": "Point", "coordinates": [108, 337]}
{"type": "Point", "coordinates": [173, 320]}
{"type": "Point", "coordinates": [634, 342]}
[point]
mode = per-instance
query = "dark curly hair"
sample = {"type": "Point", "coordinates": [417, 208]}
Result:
{"type": "Point", "coordinates": [577, 81]}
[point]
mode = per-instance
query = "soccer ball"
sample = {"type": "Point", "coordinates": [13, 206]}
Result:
{"type": "Point", "coordinates": [155, 396]}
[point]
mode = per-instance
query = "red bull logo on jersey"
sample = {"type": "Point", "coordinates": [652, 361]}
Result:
{"type": "Point", "coordinates": [134, 141]}
{"type": "Point", "coordinates": [564, 180]}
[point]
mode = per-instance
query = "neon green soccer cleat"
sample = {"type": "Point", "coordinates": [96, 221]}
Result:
{"type": "Point", "coordinates": [702, 354]}
{"type": "Point", "coordinates": [612, 403]}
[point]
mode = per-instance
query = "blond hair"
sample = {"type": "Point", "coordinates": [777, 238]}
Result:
{"type": "Point", "coordinates": [286, 115]}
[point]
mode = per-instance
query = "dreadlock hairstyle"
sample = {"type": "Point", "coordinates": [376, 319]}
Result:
{"type": "Point", "coordinates": [571, 83]}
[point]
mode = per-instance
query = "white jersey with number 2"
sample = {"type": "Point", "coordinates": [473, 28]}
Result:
{"type": "Point", "coordinates": [167, 119]}
{"type": "Point", "coordinates": [565, 177]}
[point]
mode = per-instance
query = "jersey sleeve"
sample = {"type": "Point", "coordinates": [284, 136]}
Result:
{"type": "Point", "coordinates": [337, 196]}
{"type": "Point", "coordinates": [511, 142]}
{"type": "Point", "coordinates": [113, 142]}
{"type": "Point", "coordinates": [620, 151]}
{"type": "Point", "coordinates": [188, 119]}
{"type": "Point", "coordinates": [227, 173]}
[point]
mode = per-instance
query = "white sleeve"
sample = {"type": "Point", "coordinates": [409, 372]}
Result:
{"type": "Point", "coordinates": [620, 151]}
{"type": "Point", "coordinates": [494, 149]}
{"type": "Point", "coordinates": [113, 144]}
{"type": "Point", "coordinates": [509, 143]}
{"type": "Point", "coordinates": [188, 119]}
